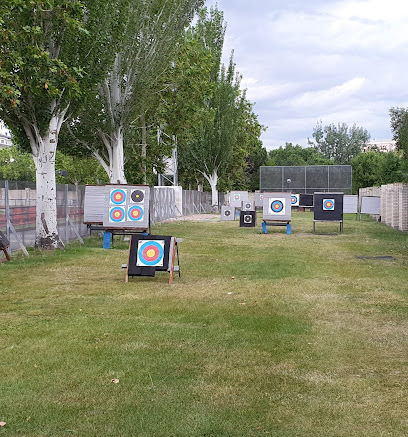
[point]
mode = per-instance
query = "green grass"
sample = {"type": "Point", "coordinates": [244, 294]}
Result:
{"type": "Point", "coordinates": [281, 335]}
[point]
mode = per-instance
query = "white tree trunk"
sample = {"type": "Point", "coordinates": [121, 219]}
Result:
{"type": "Point", "coordinates": [44, 148]}
{"type": "Point", "coordinates": [114, 162]}
{"type": "Point", "coordinates": [213, 180]}
{"type": "Point", "coordinates": [117, 164]}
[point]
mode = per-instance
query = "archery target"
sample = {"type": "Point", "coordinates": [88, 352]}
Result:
{"type": "Point", "coordinates": [118, 197]}
{"type": "Point", "coordinates": [294, 200]}
{"type": "Point", "coordinates": [150, 253]}
{"type": "Point", "coordinates": [277, 206]}
{"type": "Point", "coordinates": [227, 213]}
{"type": "Point", "coordinates": [328, 204]}
{"type": "Point", "coordinates": [247, 218]}
{"type": "Point", "coordinates": [135, 213]}
{"type": "Point", "coordinates": [237, 197]}
{"type": "Point", "coordinates": [137, 196]}
{"type": "Point", "coordinates": [116, 214]}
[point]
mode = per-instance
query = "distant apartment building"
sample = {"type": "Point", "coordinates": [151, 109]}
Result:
{"type": "Point", "coordinates": [380, 145]}
{"type": "Point", "coordinates": [5, 136]}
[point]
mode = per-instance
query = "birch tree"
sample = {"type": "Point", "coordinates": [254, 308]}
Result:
{"type": "Point", "coordinates": [51, 52]}
{"type": "Point", "coordinates": [150, 39]}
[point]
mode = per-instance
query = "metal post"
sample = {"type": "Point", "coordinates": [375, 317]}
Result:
{"type": "Point", "coordinates": [66, 214]}
{"type": "Point", "coordinates": [6, 188]}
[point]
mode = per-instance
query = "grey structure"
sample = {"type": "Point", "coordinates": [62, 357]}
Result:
{"type": "Point", "coordinates": [248, 205]}
{"type": "Point", "coordinates": [350, 204]}
{"type": "Point", "coordinates": [133, 207]}
{"type": "Point", "coordinates": [306, 178]}
{"type": "Point", "coordinates": [237, 197]}
{"type": "Point", "coordinates": [370, 205]}
{"type": "Point", "coordinates": [277, 206]}
{"type": "Point", "coordinates": [94, 203]}
{"type": "Point", "coordinates": [227, 213]}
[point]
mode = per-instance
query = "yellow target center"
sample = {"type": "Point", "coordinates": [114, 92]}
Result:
{"type": "Point", "coordinates": [150, 253]}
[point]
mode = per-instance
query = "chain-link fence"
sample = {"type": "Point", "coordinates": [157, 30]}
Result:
{"type": "Point", "coordinates": [18, 209]}
{"type": "Point", "coordinates": [306, 178]}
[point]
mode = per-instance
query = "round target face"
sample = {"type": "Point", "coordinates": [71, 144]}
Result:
{"type": "Point", "coordinates": [135, 213]}
{"type": "Point", "coordinates": [293, 200]}
{"type": "Point", "coordinates": [277, 206]}
{"type": "Point", "coordinates": [247, 218]}
{"type": "Point", "coordinates": [328, 204]}
{"type": "Point", "coordinates": [237, 196]}
{"type": "Point", "coordinates": [116, 214]}
{"type": "Point", "coordinates": [137, 196]}
{"type": "Point", "coordinates": [227, 213]}
{"type": "Point", "coordinates": [150, 253]}
{"type": "Point", "coordinates": [118, 197]}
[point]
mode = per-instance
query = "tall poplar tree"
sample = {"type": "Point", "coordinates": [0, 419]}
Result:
{"type": "Point", "coordinates": [52, 53]}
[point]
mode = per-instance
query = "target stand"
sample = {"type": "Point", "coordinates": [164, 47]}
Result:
{"type": "Point", "coordinates": [4, 245]}
{"type": "Point", "coordinates": [286, 223]}
{"type": "Point", "coordinates": [151, 253]}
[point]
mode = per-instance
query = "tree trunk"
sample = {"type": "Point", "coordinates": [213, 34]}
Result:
{"type": "Point", "coordinates": [213, 180]}
{"type": "Point", "coordinates": [47, 236]}
{"type": "Point", "coordinates": [144, 147]}
{"type": "Point", "coordinates": [117, 165]}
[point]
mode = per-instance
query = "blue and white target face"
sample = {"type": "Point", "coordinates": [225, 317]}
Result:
{"type": "Point", "coordinates": [118, 197]}
{"type": "Point", "coordinates": [294, 200]}
{"type": "Point", "coordinates": [276, 206]}
{"type": "Point", "coordinates": [135, 213]}
{"type": "Point", "coordinates": [116, 214]}
{"type": "Point", "coordinates": [237, 197]}
{"type": "Point", "coordinates": [150, 253]}
{"type": "Point", "coordinates": [328, 204]}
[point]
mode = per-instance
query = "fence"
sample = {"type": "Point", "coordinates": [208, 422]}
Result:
{"type": "Point", "coordinates": [394, 204]}
{"type": "Point", "coordinates": [306, 178]}
{"type": "Point", "coordinates": [18, 210]}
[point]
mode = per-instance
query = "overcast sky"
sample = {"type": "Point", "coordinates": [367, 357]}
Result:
{"type": "Point", "coordinates": [304, 61]}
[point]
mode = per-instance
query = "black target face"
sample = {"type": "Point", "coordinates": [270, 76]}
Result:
{"type": "Point", "coordinates": [137, 196]}
{"type": "Point", "coordinates": [227, 213]}
{"type": "Point", "coordinates": [247, 218]}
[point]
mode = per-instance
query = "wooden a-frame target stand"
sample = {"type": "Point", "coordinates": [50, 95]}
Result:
{"type": "Point", "coordinates": [151, 253]}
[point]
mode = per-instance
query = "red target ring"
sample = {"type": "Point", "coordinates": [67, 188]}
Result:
{"type": "Point", "coordinates": [135, 213]}
{"type": "Point", "coordinates": [150, 253]}
{"type": "Point", "coordinates": [328, 204]}
{"type": "Point", "coordinates": [116, 214]}
{"type": "Point", "coordinates": [118, 197]}
{"type": "Point", "coordinates": [277, 206]}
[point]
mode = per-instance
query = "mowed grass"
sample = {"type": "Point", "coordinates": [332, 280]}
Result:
{"type": "Point", "coordinates": [281, 335]}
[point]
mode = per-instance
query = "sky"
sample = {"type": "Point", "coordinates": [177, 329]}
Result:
{"type": "Point", "coordinates": [309, 61]}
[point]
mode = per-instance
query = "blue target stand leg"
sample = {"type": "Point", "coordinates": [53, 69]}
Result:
{"type": "Point", "coordinates": [106, 240]}
{"type": "Point", "coordinates": [266, 223]}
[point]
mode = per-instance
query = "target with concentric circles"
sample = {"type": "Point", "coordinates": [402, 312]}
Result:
{"type": "Point", "coordinates": [118, 196]}
{"type": "Point", "coordinates": [294, 200]}
{"type": "Point", "coordinates": [277, 206]}
{"type": "Point", "coordinates": [116, 214]}
{"type": "Point", "coordinates": [150, 253]}
{"type": "Point", "coordinates": [328, 204]}
{"type": "Point", "coordinates": [135, 213]}
{"type": "Point", "coordinates": [137, 196]}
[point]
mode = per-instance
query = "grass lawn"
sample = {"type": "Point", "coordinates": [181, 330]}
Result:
{"type": "Point", "coordinates": [281, 335]}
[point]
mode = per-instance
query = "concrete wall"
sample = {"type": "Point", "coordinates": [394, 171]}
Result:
{"type": "Point", "coordinates": [394, 203]}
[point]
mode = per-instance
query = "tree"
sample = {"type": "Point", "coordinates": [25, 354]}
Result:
{"type": "Point", "coordinates": [399, 129]}
{"type": "Point", "coordinates": [16, 165]}
{"type": "Point", "coordinates": [149, 40]}
{"type": "Point", "coordinates": [339, 143]}
{"type": "Point", "coordinates": [52, 54]}
{"type": "Point", "coordinates": [296, 155]}
{"type": "Point", "coordinates": [377, 168]}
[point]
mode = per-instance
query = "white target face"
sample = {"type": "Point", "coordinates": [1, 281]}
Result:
{"type": "Point", "coordinates": [277, 206]}
{"type": "Point", "coordinates": [248, 218]}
